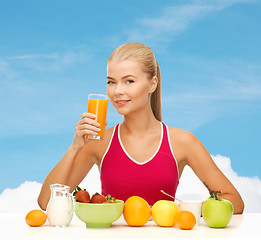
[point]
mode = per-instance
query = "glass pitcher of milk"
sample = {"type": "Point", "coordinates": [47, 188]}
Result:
{"type": "Point", "coordinates": [60, 206]}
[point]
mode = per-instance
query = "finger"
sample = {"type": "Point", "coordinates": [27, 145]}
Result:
{"type": "Point", "coordinates": [88, 127]}
{"type": "Point", "coordinates": [88, 121]}
{"type": "Point", "coordinates": [81, 133]}
{"type": "Point", "coordinates": [88, 115]}
{"type": "Point", "coordinates": [106, 123]}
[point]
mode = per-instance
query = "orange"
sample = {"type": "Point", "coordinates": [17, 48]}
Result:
{"type": "Point", "coordinates": [185, 220]}
{"type": "Point", "coordinates": [164, 213]}
{"type": "Point", "coordinates": [35, 218]}
{"type": "Point", "coordinates": [136, 211]}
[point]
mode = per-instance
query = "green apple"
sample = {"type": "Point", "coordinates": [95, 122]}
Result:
{"type": "Point", "coordinates": [216, 212]}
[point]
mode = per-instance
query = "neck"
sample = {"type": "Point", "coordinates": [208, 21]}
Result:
{"type": "Point", "coordinates": [141, 122]}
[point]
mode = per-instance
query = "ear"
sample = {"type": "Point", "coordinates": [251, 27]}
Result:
{"type": "Point", "coordinates": [153, 84]}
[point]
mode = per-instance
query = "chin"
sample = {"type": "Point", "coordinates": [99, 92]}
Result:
{"type": "Point", "coordinates": [121, 112]}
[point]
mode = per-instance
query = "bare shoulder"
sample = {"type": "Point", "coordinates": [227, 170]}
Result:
{"type": "Point", "coordinates": [181, 136]}
{"type": "Point", "coordinates": [184, 144]}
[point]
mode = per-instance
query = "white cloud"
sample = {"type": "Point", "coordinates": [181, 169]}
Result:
{"type": "Point", "coordinates": [56, 61]}
{"type": "Point", "coordinates": [173, 20]}
{"type": "Point", "coordinates": [24, 198]}
{"type": "Point", "coordinates": [190, 186]}
{"type": "Point", "coordinates": [21, 199]}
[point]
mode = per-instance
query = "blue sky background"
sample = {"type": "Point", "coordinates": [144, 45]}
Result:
{"type": "Point", "coordinates": [54, 53]}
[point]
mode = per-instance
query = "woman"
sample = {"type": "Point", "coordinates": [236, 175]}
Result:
{"type": "Point", "coordinates": [141, 155]}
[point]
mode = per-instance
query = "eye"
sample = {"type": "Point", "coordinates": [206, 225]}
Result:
{"type": "Point", "coordinates": [129, 81]}
{"type": "Point", "coordinates": [110, 82]}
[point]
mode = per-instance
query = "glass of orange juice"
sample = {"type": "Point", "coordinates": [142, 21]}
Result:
{"type": "Point", "coordinates": [97, 104]}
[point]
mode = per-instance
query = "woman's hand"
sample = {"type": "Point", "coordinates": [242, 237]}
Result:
{"type": "Point", "coordinates": [86, 126]}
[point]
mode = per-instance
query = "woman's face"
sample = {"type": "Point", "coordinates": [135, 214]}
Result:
{"type": "Point", "coordinates": [128, 87]}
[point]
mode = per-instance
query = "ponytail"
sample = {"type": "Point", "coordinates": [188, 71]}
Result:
{"type": "Point", "coordinates": [155, 100]}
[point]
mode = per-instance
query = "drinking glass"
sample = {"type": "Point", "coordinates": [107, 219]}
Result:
{"type": "Point", "coordinates": [98, 104]}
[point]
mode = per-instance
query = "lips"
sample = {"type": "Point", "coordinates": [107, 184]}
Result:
{"type": "Point", "coordinates": [121, 102]}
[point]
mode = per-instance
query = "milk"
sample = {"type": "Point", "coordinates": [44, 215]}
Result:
{"type": "Point", "coordinates": [60, 211]}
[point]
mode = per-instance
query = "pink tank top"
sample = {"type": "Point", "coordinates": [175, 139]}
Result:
{"type": "Point", "coordinates": [123, 177]}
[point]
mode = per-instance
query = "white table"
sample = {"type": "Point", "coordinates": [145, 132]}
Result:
{"type": "Point", "coordinates": [13, 226]}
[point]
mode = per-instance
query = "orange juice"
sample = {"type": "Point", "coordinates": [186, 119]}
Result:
{"type": "Point", "coordinates": [99, 108]}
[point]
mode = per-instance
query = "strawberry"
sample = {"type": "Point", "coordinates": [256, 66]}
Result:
{"type": "Point", "coordinates": [98, 198]}
{"type": "Point", "coordinates": [81, 195]}
{"type": "Point", "coordinates": [110, 199]}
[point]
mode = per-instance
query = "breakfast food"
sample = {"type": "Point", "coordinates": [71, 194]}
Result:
{"type": "Point", "coordinates": [216, 212]}
{"type": "Point", "coordinates": [110, 199]}
{"type": "Point", "coordinates": [136, 211]}
{"type": "Point", "coordinates": [185, 220]}
{"type": "Point", "coordinates": [164, 213]}
{"type": "Point", "coordinates": [82, 195]}
{"type": "Point", "coordinates": [98, 198]}
{"type": "Point", "coordinates": [35, 218]}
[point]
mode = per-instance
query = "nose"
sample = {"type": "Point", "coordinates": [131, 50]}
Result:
{"type": "Point", "coordinates": [118, 90]}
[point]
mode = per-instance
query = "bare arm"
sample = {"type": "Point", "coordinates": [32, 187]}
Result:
{"type": "Point", "coordinates": [197, 157]}
{"type": "Point", "coordinates": [59, 174]}
{"type": "Point", "coordinates": [62, 171]}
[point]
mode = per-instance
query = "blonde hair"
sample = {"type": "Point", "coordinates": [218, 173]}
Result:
{"type": "Point", "coordinates": [144, 55]}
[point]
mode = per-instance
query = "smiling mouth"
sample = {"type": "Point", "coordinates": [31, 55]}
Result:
{"type": "Point", "coordinates": [121, 102]}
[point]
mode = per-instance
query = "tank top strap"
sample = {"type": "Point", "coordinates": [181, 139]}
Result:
{"type": "Point", "coordinates": [114, 137]}
{"type": "Point", "coordinates": [114, 140]}
{"type": "Point", "coordinates": [166, 144]}
{"type": "Point", "coordinates": [165, 140]}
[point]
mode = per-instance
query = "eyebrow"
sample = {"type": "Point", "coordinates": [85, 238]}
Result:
{"type": "Point", "coordinates": [127, 76]}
